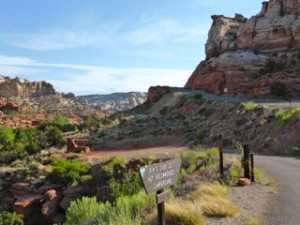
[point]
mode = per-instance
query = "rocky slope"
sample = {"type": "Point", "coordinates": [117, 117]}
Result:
{"type": "Point", "coordinates": [19, 87]}
{"type": "Point", "coordinates": [247, 56]}
{"type": "Point", "coordinates": [114, 102]}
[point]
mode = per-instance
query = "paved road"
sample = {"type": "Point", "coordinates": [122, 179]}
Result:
{"type": "Point", "coordinates": [285, 208]}
{"type": "Point", "coordinates": [219, 98]}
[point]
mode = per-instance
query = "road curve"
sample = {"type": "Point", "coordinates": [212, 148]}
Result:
{"type": "Point", "coordinates": [228, 99]}
{"type": "Point", "coordinates": [285, 207]}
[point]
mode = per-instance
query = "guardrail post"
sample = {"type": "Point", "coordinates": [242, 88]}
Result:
{"type": "Point", "coordinates": [221, 148]}
{"type": "Point", "coordinates": [246, 161]}
{"type": "Point", "coordinates": [252, 167]}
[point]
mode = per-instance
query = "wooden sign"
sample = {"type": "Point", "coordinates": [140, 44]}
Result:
{"type": "Point", "coordinates": [160, 175]}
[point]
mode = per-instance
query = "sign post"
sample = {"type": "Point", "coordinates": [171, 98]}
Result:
{"type": "Point", "coordinates": [156, 177]}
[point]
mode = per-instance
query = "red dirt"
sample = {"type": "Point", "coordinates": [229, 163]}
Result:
{"type": "Point", "coordinates": [160, 152]}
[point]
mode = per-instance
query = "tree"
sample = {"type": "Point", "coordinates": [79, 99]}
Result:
{"type": "Point", "coordinates": [54, 136]}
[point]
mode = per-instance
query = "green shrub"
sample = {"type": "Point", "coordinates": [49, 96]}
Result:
{"type": "Point", "coordinates": [67, 171]}
{"type": "Point", "coordinates": [54, 136]}
{"type": "Point", "coordinates": [7, 218]}
{"type": "Point", "coordinates": [126, 210]}
{"type": "Point", "coordinates": [287, 115]}
{"type": "Point", "coordinates": [278, 89]}
{"type": "Point", "coordinates": [259, 177]}
{"type": "Point", "coordinates": [248, 106]}
{"type": "Point", "coordinates": [130, 184]}
{"type": "Point", "coordinates": [114, 164]}
{"type": "Point", "coordinates": [296, 150]}
{"type": "Point", "coordinates": [200, 134]}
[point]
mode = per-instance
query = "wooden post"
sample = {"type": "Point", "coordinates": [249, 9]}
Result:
{"type": "Point", "coordinates": [246, 161]}
{"type": "Point", "coordinates": [252, 167]}
{"type": "Point", "coordinates": [221, 148]}
{"type": "Point", "coordinates": [161, 210]}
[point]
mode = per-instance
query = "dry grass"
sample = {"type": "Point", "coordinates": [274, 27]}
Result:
{"type": "Point", "coordinates": [214, 189]}
{"type": "Point", "coordinates": [180, 212]}
{"type": "Point", "coordinates": [212, 200]}
{"type": "Point", "coordinates": [216, 206]}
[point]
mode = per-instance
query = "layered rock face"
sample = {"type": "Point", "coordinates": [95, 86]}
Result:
{"type": "Point", "coordinates": [115, 102]}
{"type": "Point", "coordinates": [238, 51]}
{"type": "Point", "coordinates": [23, 88]}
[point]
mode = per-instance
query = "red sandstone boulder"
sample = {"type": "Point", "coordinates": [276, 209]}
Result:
{"type": "Point", "coordinates": [244, 182]}
{"type": "Point", "coordinates": [155, 93]}
{"type": "Point", "coordinates": [23, 202]}
{"type": "Point", "coordinates": [20, 189]}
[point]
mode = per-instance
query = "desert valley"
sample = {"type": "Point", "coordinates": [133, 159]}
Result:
{"type": "Point", "coordinates": [67, 159]}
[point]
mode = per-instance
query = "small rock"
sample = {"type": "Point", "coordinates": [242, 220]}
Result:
{"type": "Point", "coordinates": [244, 182]}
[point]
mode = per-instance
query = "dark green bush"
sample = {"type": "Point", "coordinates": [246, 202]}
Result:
{"type": "Point", "coordinates": [278, 89]}
{"type": "Point", "coordinates": [54, 136]}
{"type": "Point", "coordinates": [7, 218]}
{"type": "Point", "coordinates": [67, 171]}
{"type": "Point", "coordinates": [130, 184]}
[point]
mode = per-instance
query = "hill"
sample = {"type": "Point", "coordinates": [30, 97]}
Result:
{"type": "Point", "coordinates": [115, 102]}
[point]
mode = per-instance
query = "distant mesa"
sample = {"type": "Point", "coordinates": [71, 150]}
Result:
{"type": "Point", "coordinates": [115, 102]}
{"type": "Point", "coordinates": [18, 87]}
{"type": "Point", "coordinates": [248, 55]}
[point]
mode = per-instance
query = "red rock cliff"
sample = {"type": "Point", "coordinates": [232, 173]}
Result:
{"type": "Point", "coordinates": [240, 52]}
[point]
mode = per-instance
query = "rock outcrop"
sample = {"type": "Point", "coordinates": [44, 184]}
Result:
{"type": "Point", "coordinates": [239, 52]}
{"type": "Point", "coordinates": [18, 87]}
{"type": "Point", "coordinates": [115, 102]}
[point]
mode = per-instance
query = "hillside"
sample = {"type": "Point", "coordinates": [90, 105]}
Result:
{"type": "Point", "coordinates": [114, 102]}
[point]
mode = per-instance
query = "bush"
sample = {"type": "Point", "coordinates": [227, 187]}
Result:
{"type": "Point", "coordinates": [248, 106]}
{"type": "Point", "coordinates": [126, 210]}
{"type": "Point", "coordinates": [130, 184]}
{"type": "Point", "coordinates": [67, 171]}
{"type": "Point", "coordinates": [287, 115]}
{"type": "Point", "coordinates": [278, 89]}
{"type": "Point", "coordinates": [7, 218]}
{"type": "Point", "coordinates": [54, 136]}
{"type": "Point", "coordinates": [296, 150]}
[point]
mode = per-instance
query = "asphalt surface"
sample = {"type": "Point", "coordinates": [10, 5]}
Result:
{"type": "Point", "coordinates": [227, 99]}
{"type": "Point", "coordinates": [285, 207]}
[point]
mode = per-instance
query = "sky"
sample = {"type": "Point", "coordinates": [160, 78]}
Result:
{"type": "Point", "coordinates": [102, 47]}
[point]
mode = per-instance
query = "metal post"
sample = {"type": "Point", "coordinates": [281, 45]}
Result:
{"type": "Point", "coordinates": [246, 161]}
{"type": "Point", "coordinates": [161, 210]}
{"type": "Point", "coordinates": [252, 167]}
{"type": "Point", "coordinates": [221, 147]}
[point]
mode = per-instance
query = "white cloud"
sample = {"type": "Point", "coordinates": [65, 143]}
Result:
{"type": "Point", "coordinates": [145, 30]}
{"type": "Point", "coordinates": [86, 79]}
{"type": "Point", "coordinates": [162, 30]}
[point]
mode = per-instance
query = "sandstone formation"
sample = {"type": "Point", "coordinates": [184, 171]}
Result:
{"type": "Point", "coordinates": [115, 102]}
{"type": "Point", "coordinates": [156, 92]}
{"type": "Point", "coordinates": [247, 56]}
{"type": "Point", "coordinates": [18, 87]}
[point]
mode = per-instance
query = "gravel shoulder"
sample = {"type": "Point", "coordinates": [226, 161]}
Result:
{"type": "Point", "coordinates": [252, 201]}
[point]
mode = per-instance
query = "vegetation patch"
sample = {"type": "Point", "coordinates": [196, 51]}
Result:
{"type": "Point", "coordinates": [287, 115]}
{"type": "Point", "coordinates": [248, 106]}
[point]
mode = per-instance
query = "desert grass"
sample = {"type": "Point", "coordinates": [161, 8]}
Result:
{"type": "Point", "coordinates": [213, 201]}
{"type": "Point", "coordinates": [181, 212]}
{"type": "Point", "coordinates": [253, 220]}
{"type": "Point", "coordinates": [214, 189]}
{"type": "Point", "coordinates": [216, 206]}
{"type": "Point", "coordinates": [259, 176]}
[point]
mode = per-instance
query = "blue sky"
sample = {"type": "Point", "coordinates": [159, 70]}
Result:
{"type": "Point", "coordinates": [100, 47]}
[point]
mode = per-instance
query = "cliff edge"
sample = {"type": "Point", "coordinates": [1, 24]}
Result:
{"type": "Point", "coordinates": [258, 56]}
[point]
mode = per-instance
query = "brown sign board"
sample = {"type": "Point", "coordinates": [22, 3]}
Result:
{"type": "Point", "coordinates": [160, 175]}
